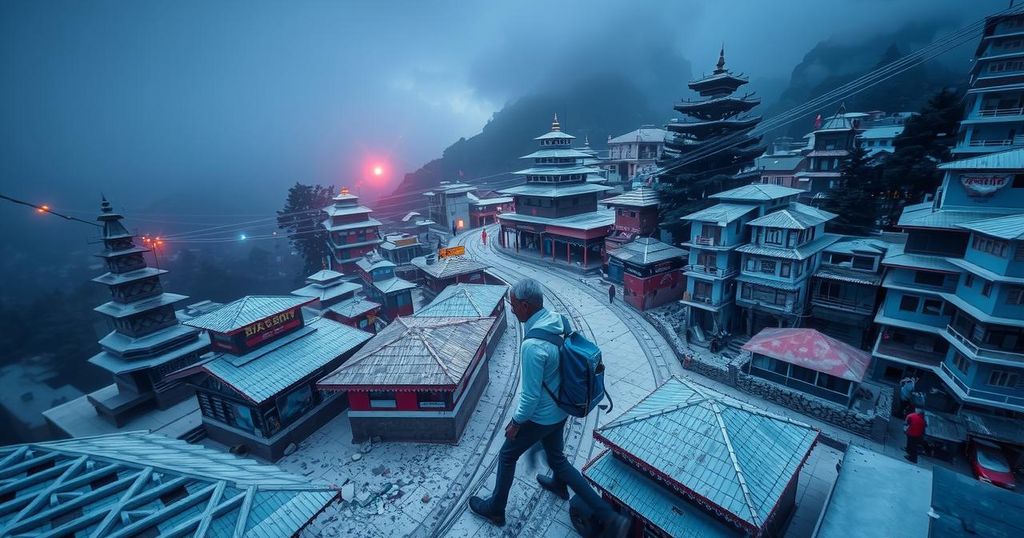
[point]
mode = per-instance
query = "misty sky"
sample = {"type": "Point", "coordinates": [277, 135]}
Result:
{"type": "Point", "coordinates": [226, 104]}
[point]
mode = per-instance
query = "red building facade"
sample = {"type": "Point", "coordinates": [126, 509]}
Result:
{"type": "Point", "coordinates": [651, 272]}
{"type": "Point", "coordinates": [439, 273]}
{"type": "Point", "coordinates": [636, 215]}
{"type": "Point", "coordinates": [351, 231]}
{"type": "Point", "coordinates": [384, 288]}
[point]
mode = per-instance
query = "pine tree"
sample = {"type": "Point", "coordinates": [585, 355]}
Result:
{"type": "Point", "coordinates": [854, 200]}
{"type": "Point", "coordinates": [911, 171]}
{"type": "Point", "coordinates": [301, 218]}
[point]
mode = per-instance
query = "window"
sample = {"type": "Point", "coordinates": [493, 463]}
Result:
{"type": "Point", "coordinates": [745, 291]}
{"type": "Point", "coordinates": [1015, 295]}
{"type": "Point", "coordinates": [773, 236]}
{"type": "Point", "coordinates": [909, 303]}
{"type": "Point", "coordinates": [803, 374]}
{"type": "Point", "coordinates": [961, 363]}
{"type": "Point", "coordinates": [786, 269]}
{"type": "Point", "coordinates": [990, 246]}
{"type": "Point", "coordinates": [1018, 182]}
{"type": "Point", "coordinates": [986, 288]}
{"type": "Point", "coordinates": [929, 278]}
{"type": "Point", "coordinates": [1002, 378]}
{"type": "Point", "coordinates": [968, 280]}
{"type": "Point", "coordinates": [382, 398]}
{"type": "Point", "coordinates": [932, 307]}
{"type": "Point", "coordinates": [834, 384]}
{"type": "Point", "coordinates": [864, 262]}
{"type": "Point", "coordinates": [295, 403]}
{"type": "Point", "coordinates": [768, 266]}
{"type": "Point", "coordinates": [750, 264]}
{"type": "Point", "coordinates": [1018, 255]}
{"type": "Point", "coordinates": [432, 399]}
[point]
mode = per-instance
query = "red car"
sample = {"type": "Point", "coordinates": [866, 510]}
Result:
{"type": "Point", "coordinates": [990, 465]}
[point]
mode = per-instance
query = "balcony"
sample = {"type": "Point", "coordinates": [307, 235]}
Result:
{"type": "Point", "coordinates": [1000, 112]}
{"type": "Point", "coordinates": [907, 353]}
{"type": "Point", "coordinates": [998, 143]}
{"type": "Point", "coordinates": [789, 307]}
{"type": "Point", "coordinates": [967, 392]}
{"type": "Point", "coordinates": [984, 352]}
{"type": "Point", "coordinates": [707, 241]}
{"type": "Point", "coordinates": [705, 302]}
{"type": "Point", "coordinates": [842, 303]}
{"type": "Point", "coordinates": [710, 270]}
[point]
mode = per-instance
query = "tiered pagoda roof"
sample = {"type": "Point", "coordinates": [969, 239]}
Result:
{"type": "Point", "coordinates": [638, 197]}
{"type": "Point", "coordinates": [326, 286]}
{"type": "Point", "coordinates": [558, 170]}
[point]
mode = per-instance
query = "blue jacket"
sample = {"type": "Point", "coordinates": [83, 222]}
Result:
{"type": "Point", "coordinates": [539, 367]}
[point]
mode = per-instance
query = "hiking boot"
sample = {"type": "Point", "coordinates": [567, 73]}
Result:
{"type": "Point", "coordinates": [483, 509]}
{"type": "Point", "coordinates": [553, 486]}
{"type": "Point", "coordinates": [617, 527]}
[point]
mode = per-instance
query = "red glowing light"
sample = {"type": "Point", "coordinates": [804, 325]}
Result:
{"type": "Point", "coordinates": [46, 208]}
{"type": "Point", "coordinates": [378, 170]}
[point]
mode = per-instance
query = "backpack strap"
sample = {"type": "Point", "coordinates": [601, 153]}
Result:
{"type": "Point", "coordinates": [553, 339]}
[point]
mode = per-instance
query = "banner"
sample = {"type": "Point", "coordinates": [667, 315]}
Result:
{"type": "Point", "coordinates": [267, 328]}
{"type": "Point", "coordinates": [451, 251]}
{"type": "Point", "coordinates": [984, 184]}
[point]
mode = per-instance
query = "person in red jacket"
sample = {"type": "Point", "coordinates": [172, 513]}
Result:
{"type": "Point", "coordinates": [483, 236]}
{"type": "Point", "coordinates": [914, 429]}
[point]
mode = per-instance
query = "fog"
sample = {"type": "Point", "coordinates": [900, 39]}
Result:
{"type": "Point", "coordinates": [215, 108]}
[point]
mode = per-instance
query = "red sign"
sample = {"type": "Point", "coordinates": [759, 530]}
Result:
{"type": "Point", "coordinates": [267, 328]}
{"type": "Point", "coordinates": [984, 184]}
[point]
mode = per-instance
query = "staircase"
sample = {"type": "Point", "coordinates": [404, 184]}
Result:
{"type": "Point", "coordinates": [732, 348]}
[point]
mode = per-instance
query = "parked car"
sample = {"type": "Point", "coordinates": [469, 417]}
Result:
{"type": "Point", "coordinates": [989, 464]}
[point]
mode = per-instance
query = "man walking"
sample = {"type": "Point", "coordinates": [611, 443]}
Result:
{"type": "Point", "coordinates": [914, 428]}
{"type": "Point", "coordinates": [611, 294]}
{"type": "Point", "coordinates": [538, 419]}
{"type": "Point", "coordinates": [483, 236]}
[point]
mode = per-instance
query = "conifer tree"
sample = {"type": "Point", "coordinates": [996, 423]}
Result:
{"type": "Point", "coordinates": [301, 218]}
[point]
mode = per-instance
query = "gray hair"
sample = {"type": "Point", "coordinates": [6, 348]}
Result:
{"type": "Point", "coordinates": [529, 291]}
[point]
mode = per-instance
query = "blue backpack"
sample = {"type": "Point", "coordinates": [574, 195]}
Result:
{"type": "Point", "coordinates": [581, 369]}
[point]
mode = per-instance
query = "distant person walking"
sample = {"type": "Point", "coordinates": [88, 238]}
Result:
{"type": "Point", "coordinates": [907, 386]}
{"type": "Point", "coordinates": [914, 428]}
{"type": "Point", "coordinates": [611, 294]}
{"type": "Point", "coordinates": [483, 236]}
{"type": "Point", "coordinates": [538, 419]}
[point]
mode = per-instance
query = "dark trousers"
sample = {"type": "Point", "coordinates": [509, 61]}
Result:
{"type": "Point", "coordinates": [914, 446]}
{"type": "Point", "coordinates": [550, 438]}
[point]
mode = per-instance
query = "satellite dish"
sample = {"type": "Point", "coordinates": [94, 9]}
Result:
{"type": "Point", "coordinates": [410, 215]}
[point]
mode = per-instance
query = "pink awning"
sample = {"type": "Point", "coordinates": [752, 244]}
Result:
{"type": "Point", "coordinates": [811, 349]}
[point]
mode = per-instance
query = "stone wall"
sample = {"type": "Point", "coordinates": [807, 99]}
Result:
{"type": "Point", "coordinates": [690, 360]}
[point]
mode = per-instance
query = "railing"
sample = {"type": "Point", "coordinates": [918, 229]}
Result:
{"type": "Point", "coordinates": [839, 302]}
{"type": "Point", "coordinates": [705, 241]}
{"type": "Point", "coordinates": [703, 300]}
{"type": "Point", "coordinates": [711, 270]}
{"type": "Point", "coordinates": [995, 112]}
{"type": "Point", "coordinates": [907, 352]}
{"type": "Point", "coordinates": [990, 143]}
{"type": "Point", "coordinates": [790, 307]}
{"type": "Point", "coordinates": [984, 352]}
{"type": "Point", "coordinates": [980, 394]}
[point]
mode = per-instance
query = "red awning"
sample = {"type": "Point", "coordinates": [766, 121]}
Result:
{"type": "Point", "coordinates": [811, 349]}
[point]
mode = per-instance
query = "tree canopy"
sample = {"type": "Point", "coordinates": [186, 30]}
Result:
{"type": "Point", "coordinates": [301, 218]}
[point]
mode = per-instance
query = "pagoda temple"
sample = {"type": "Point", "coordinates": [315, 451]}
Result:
{"type": "Point", "coordinates": [351, 231]}
{"type": "Point", "coordinates": [556, 213]}
{"type": "Point", "coordinates": [716, 115]}
{"type": "Point", "coordinates": [147, 342]}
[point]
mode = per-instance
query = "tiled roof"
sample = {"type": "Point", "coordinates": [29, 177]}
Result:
{"type": "Point", "coordinates": [226, 494]}
{"type": "Point", "coordinates": [554, 190]}
{"type": "Point", "coordinates": [448, 267]}
{"type": "Point", "coordinates": [721, 214]}
{"type": "Point", "coordinates": [758, 192]}
{"type": "Point", "coordinates": [354, 307]}
{"type": "Point", "coordinates": [327, 292]}
{"type": "Point", "coordinates": [643, 134]}
{"type": "Point", "coordinates": [351, 225]}
{"type": "Point", "coordinates": [556, 152]}
{"type": "Point", "coordinates": [640, 197]}
{"type": "Point", "coordinates": [464, 300]}
{"type": "Point", "coordinates": [811, 349]}
{"type": "Point", "coordinates": [266, 371]}
{"type": "Point", "coordinates": [116, 309]}
{"type": "Point", "coordinates": [646, 250]}
{"type": "Point", "coordinates": [414, 351]}
{"type": "Point", "coordinates": [1010, 227]}
{"type": "Point", "coordinates": [849, 275]}
{"type": "Point", "coordinates": [556, 171]}
{"type": "Point", "coordinates": [796, 217]}
{"type": "Point", "coordinates": [735, 456]}
{"type": "Point", "coordinates": [335, 211]}
{"type": "Point", "coordinates": [1012, 159]}
{"type": "Point", "coordinates": [768, 282]}
{"type": "Point", "coordinates": [583, 221]}
{"type": "Point", "coordinates": [897, 257]}
{"type": "Point", "coordinates": [393, 284]}
{"type": "Point", "coordinates": [799, 253]}
{"type": "Point", "coordinates": [779, 163]}
{"type": "Point", "coordinates": [248, 309]}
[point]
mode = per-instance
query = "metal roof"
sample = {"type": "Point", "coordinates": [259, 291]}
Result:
{"type": "Point", "coordinates": [897, 257]}
{"type": "Point", "coordinates": [266, 371]}
{"type": "Point", "coordinates": [721, 214]}
{"type": "Point", "coordinates": [859, 245]}
{"type": "Point", "coordinates": [732, 455]}
{"type": "Point", "coordinates": [778, 163]}
{"type": "Point", "coordinates": [583, 221]}
{"type": "Point", "coordinates": [393, 284]}
{"type": "Point", "coordinates": [1012, 159]}
{"type": "Point", "coordinates": [852, 276]}
{"type": "Point", "coordinates": [554, 134]}
{"type": "Point", "coordinates": [248, 309]}
{"type": "Point", "coordinates": [888, 131]}
{"type": "Point", "coordinates": [354, 307]}
{"type": "Point", "coordinates": [768, 282]}
{"type": "Point", "coordinates": [801, 252]}
{"type": "Point", "coordinates": [328, 291]}
{"type": "Point", "coordinates": [646, 250]}
{"type": "Point", "coordinates": [654, 501]}
{"type": "Point", "coordinates": [555, 170]}
{"type": "Point", "coordinates": [643, 134]}
{"type": "Point", "coordinates": [372, 260]}
{"type": "Point", "coordinates": [923, 216]}
{"type": "Point", "coordinates": [112, 360]}
{"type": "Point", "coordinates": [113, 279]}
{"type": "Point", "coordinates": [335, 211]}
{"type": "Point", "coordinates": [414, 351]}
{"type": "Point", "coordinates": [324, 276]}
{"type": "Point", "coordinates": [464, 300]}
{"type": "Point", "coordinates": [639, 197]}
{"type": "Point", "coordinates": [449, 267]}
{"type": "Point", "coordinates": [811, 349]}
{"type": "Point", "coordinates": [493, 201]}
{"type": "Point", "coordinates": [796, 217]}
{"type": "Point", "coordinates": [116, 309]}
{"type": "Point", "coordinates": [554, 190]}
{"type": "Point", "coordinates": [351, 225]}
{"type": "Point", "coordinates": [148, 483]}
{"type": "Point", "coordinates": [557, 152]}
{"type": "Point", "coordinates": [966, 506]}
{"type": "Point", "coordinates": [757, 192]}
{"type": "Point", "coordinates": [1010, 227]}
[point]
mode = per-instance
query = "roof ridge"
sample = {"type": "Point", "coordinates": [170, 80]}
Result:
{"type": "Point", "coordinates": [434, 355]}
{"type": "Point", "coordinates": [740, 477]}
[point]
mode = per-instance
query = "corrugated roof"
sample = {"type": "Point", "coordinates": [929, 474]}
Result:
{"type": "Point", "coordinates": [919, 216]}
{"type": "Point", "coordinates": [265, 372]}
{"type": "Point", "coordinates": [1012, 159]}
{"type": "Point", "coordinates": [1010, 227]}
{"type": "Point", "coordinates": [721, 214]}
{"type": "Point", "coordinates": [583, 221]}
{"type": "Point", "coordinates": [248, 309]}
{"type": "Point", "coordinates": [757, 192]}
{"type": "Point", "coordinates": [811, 349]}
{"type": "Point", "coordinates": [654, 501]}
{"type": "Point", "coordinates": [639, 197]}
{"type": "Point", "coordinates": [735, 456]}
{"type": "Point", "coordinates": [643, 134]}
{"type": "Point", "coordinates": [464, 300]}
{"type": "Point", "coordinates": [888, 131]}
{"type": "Point", "coordinates": [646, 250]}
{"type": "Point", "coordinates": [449, 267]}
{"type": "Point", "coordinates": [799, 253]}
{"type": "Point", "coordinates": [116, 309]}
{"type": "Point", "coordinates": [768, 282]}
{"type": "Point", "coordinates": [351, 225]}
{"type": "Point", "coordinates": [779, 163]}
{"type": "Point", "coordinates": [898, 257]}
{"type": "Point", "coordinates": [354, 307]}
{"type": "Point", "coordinates": [393, 284]}
{"type": "Point", "coordinates": [554, 134]}
{"type": "Point", "coordinates": [555, 170]}
{"type": "Point", "coordinates": [335, 211]}
{"type": "Point", "coordinates": [557, 152]}
{"type": "Point", "coordinates": [796, 217]}
{"type": "Point", "coordinates": [849, 275]}
{"type": "Point", "coordinates": [555, 190]}
{"type": "Point", "coordinates": [414, 351]}
{"type": "Point", "coordinates": [224, 491]}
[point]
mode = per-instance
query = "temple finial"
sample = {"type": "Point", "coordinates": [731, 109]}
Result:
{"type": "Point", "coordinates": [555, 126]}
{"type": "Point", "coordinates": [105, 206]}
{"type": "Point", "coordinates": [721, 59]}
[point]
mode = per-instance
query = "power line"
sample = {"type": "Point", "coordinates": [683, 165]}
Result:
{"type": "Point", "coordinates": [43, 208]}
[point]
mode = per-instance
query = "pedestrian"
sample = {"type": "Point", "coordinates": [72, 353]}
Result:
{"type": "Point", "coordinates": [538, 419]}
{"type": "Point", "coordinates": [907, 386]}
{"type": "Point", "coordinates": [611, 294]}
{"type": "Point", "coordinates": [914, 428]}
{"type": "Point", "coordinates": [483, 236]}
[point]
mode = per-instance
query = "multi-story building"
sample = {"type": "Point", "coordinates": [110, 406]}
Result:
{"type": "Point", "coordinates": [954, 304]}
{"type": "Point", "coordinates": [846, 288]}
{"type": "Point", "coordinates": [632, 152]}
{"type": "Point", "coordinates": [448, 206]}
{"type": "Point", "coordinates": [833, 142]}
{"type": "Point", "coordinates": [351, 233]}
{"type": "Point", "coordinates": [714, 263]}
{"type": "Point", "coordinates": [381, 286]}
{"type": "Point", "coordinates": [484, 211]}
{"type": "Point", "coordinates": [994, 115]}
{"type": "Point", "coordinates": [777, 264]}
{"type": "Point", "coordinates": [780, 169]}
{"type": "Point", "coordinates": [879, 140]}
